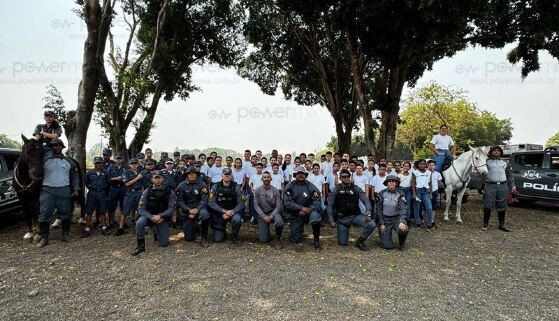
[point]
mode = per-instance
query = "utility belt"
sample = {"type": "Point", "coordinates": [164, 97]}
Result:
{"type": "Point", "coordinates": [134, 190]}
{"type": "Point", "coordinates": [496, 183]}
{"type": "Point", "coordinates": [117, 184]}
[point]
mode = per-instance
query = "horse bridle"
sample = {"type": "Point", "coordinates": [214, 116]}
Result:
{"type": "Point", "coordinates": [473, 165]}
{"type": "Point", "coordinates": [24, 187]}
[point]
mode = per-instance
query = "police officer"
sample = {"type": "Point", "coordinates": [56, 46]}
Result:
{"type": "Point", "coordinates": [107, 161]}
{"type": "Point", "coordinates": [176, 159]}
{"type": "Point", "coordinates": [226, 205]}
{"type": "Point", "coordinates": [391, 212]}
{"type": "Point", "coordinates": [155, 208]}
{"type": "Point", "coordinates": [117, 189]}
{"type": "Point", "coordinates": [201, 176]}
{"type": "Point", "coordinates": [169, 178]}
{"type": "Point", "coordinates": [344, 204]}
{"type": "Point", "coordinates": [141, 157]}
{"type": "Point", "coordinates": [192, 198]}
{"type": "Point", "coordinates": [302, 200]}
{"type": "Point", "coordinates": [498, 182]}
{"type": "Point", "coordinates": [161, 164]}
{"type": "Point", "coordinates": [132, 180]}
{"type": "Point", "coordinates": [48, 131]}
{"type": "Point", "coordinates": [267, 203]}
{"type": "Point", "coordinates": [147, 173]}
{"type": "Point", "coordinates": [97, 183]}
{"type": "Point", "coordinates": [180, 172]}
{"type": "Point", "coordinates": [60, 183]}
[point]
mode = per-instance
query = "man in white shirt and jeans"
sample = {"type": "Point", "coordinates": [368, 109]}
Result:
{"type": "Point", "coordinates": [442, 147]}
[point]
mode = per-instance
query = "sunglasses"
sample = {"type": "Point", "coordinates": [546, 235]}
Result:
{"type": "Point", "coordinates": [344, 176]}
{"type": "Point", "coordinates": [227, 174]}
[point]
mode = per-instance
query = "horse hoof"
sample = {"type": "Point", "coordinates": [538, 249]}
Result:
{"type": "Point", "coordinates": [36, 238]}
{"type": "Point", "coordinates": [56, 223]}
{"type": "Point", "coordinates": [28, 236]}
{"type": "Point", "coordinates": [445, 219]}
{"type": "Point", "coordinates": [459, 222]}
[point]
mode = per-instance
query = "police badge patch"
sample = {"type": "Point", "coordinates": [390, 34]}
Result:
{"type": "Point", "coordinates": [141, 202]}
{"type": "Point", "coordinates": [204, 190]}
{"type": "Point", "coordinates": [315, 195]}
{"type": "Point", "coordinates": [403, 199]}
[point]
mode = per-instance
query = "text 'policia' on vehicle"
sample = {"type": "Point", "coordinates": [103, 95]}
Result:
{"type": "Point", "coordinates": [8, 197]}
{"type": "Point", "coordinates": [536, 172]}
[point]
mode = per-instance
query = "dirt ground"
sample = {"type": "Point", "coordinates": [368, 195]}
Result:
{"type": "Point", "coordinates": [458, 272]}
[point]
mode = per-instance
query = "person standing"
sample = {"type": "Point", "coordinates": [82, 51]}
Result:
{"type": "Point", "coordinates": [498, 183]}
{"type": "Point", "coordinates": [421, 192]}
{"type": "Point", "coordinates": [97, 183]}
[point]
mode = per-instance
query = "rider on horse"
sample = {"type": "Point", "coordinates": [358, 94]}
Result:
{"type": "Point", "coordinates": [442, 147]}
{"type": "Point", "coordinates": [48, 131]}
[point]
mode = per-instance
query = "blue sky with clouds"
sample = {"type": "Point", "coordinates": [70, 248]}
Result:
{"type": "Point", "coordinates": [42, 42]}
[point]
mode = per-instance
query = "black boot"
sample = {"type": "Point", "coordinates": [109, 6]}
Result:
{"type": "Point", "coordinates": [402, 240]}
{"type": "Point", "coordinates": [141, 247]}
{"type": "Point", "coordinates": [44, 231]}
{"type": "Point", "coordinates": [204, 231]}
{"type": "Point", "coordinates": [361, 244]}
{"type": "Point", "coordinates": [486, 216]}
{"type": "Point", "coordinates": [278, 245]}
{"type": "Point", "coordinates": [502, 226]}
{"type": "Point", "coordinates": [235, 239]}
{"type": "Point", "coordinates": [155, 239]}
{"type": "Point", "coordinates": [66, 230]}
{"type": "Point", "coordinates": [316, 235]}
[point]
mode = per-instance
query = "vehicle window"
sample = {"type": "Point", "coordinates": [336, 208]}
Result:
{"type": "Point", "coordinates": [530, 160]}
{"type": "Point", "coordinates": [11, 160]}
{"type": "Point", "coordinates": [1, 167]}
{"type": "Point", "coordinates": [554, 159]}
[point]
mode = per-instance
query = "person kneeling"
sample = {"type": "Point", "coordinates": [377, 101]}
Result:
{"type": "Point", "coordinates": [267, 203]}
{"type": "Point", "coordinates": [344, 202]}
{"type": "Point", "coordinates": [156, 208]}
{"type": "Point", "coordinates": [391, 211]}
{"type": "Point", "coordinates": [227, 205]}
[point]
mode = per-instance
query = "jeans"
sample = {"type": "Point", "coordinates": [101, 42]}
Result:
{"type": "Point", "coordinates": [439, 159]}
{"type": "Point", "coordinates": [423, 195]}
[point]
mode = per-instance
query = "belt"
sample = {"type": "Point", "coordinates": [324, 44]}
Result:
{"type": "Point", "coordinates": [96, 189]}
{"type": "Point", "coordinates": [135, 189]}
{"type": "Point", "coordinates": [496, 183]}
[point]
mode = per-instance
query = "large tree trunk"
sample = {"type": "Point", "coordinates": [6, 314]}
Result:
{"type": "Point", "coordinates": [98, 22]}
{"type": "Point", "coordinates": [390, 113]}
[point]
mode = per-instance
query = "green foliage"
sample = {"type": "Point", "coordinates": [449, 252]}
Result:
{"type": "Point", "coordinates": [553, 140]}
{"type": "Point", "coordinates": [433, 105]}
{"type": "Point", "coordinates": [54, 102]}
{"type": "Point", "coordinates": [7, 142]}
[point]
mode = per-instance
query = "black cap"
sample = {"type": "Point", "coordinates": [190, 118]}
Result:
{"type": "Point", "coordinates": [119, 156]}
{"type": "Point", "coordinates": [140, 155]}
{"type": "Point", "coordinates": [191, 169]}
{"type": "Point", "coordinates": [197, 163]}
{"type": "Point", "coordinates": [164, 154]}
{"type": "Point", "coordinates": [156, 173]}
{"type": "Point", "coordinates": [150, 161]}
{"type": "Point", "coordinates": [176, 153]}
{"type": "Point", "coordinates": [169, 162]}
{"type": "Point", "coordinates": [494, 148]}
{"type": "Point", "coordinates": [107, 152]}
{"type": "Point", "coordinates": [98, 160]}
{"type": "Point", "coordinates": [227, 170]}
{"type": "Point", "coordinates": [57, 141]}
{"type": "Point", "coordinates": [133, 161]}
{"type": "Point", "coordinates": [49, 113]}
{"type": "Point", "coordinates": [391, 178]}
{"type": "Point", "coordinates": [345, 171]}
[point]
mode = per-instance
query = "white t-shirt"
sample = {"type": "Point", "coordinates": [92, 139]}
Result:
{"type": "Point", "coordinates": [361, 181]}
{"type": "Point", "coordinates": [332, 181]}
{"type": "Point", "coordinates": [238, 175]}
{"type": "Point", "coordinates": [214, 173]}
{"type": "Point", "coordinates": [205, 169]}
{"type": "Point", "coordinates": [288, 173]}
{"type": "Point", "coordinates": [277, 180]}
{"type": "Point", "coordinates": [442, 142]}
{"type": "Point", "coordinates": [326, 168]}
{"type": "Point", "coordinates": [422, 179]}
{"type": "Point", "coordinates": [246, 163]}
{"type": "Point", "coordinates": [378, 183]}
{"type": "Point", "coordinates": [405, 180]}
{"type": "Point", "coordinates": [435, 178]}
{"type": "Point", "coordinates": [317, 180]}
{"type": "Point", "coordinates": [256, 180]}
{"type": "Point", "coordinates": [249, 170]}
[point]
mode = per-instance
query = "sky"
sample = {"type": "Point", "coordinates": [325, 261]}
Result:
{"type": "Point", "coordinates": [42, 43]}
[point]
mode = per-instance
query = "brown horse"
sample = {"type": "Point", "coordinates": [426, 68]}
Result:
{"type": "Point", "coordinates": [27, 181]}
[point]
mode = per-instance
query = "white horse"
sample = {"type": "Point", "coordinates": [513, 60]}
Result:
{"type": "Point", "coordinates": [457, 176]}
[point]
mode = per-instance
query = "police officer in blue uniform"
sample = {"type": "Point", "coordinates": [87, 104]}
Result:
{"type": "Point", "coordinates": [97, 183]}
{"type": "Point", "coordinates": [201, 176]}
{"type": "Point", "coordinates": [48, 131]}
{"type": "Point", "coordinates": [302, 201]}
{"type": "Point", "coordinates": [60, 183]}
{"type": "Point", "coordinates": [226, 205]}
{"type": "Point", "coordinates": [157, 204]}
{"type": "Point", "coordinates": [117, 190]}
{"type": "Point", "coordinates": [141, 157]}
{"type": "Point", "coordinates": [498, 183]}
{"type": "Point", "coordinates": [344, 204]}
{"type": "Point", "coordinates": [107, 161]}
{"type": "Point", "coordinates": [391, 212]}
{"type": "Point", "coordinates": [147, 173]}
{"type": "Point", "coordinates": [169, 178]}
{"type": "Point", "coordinates": [133, 182]}
{"type": "Point", "coordinates": [192, 198]}
{"type": "Point", "coordinates": [161, 164]}
{"type": "Point", "coordinates": [176, 159]}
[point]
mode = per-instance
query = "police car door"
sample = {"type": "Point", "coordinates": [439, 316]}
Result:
{"type": "Point", "coordinates": [550, 179]}
{"type": "Point", "coordinates": [528, 173]}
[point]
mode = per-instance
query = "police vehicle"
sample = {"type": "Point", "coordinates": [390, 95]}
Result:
{"type": "Point", "coordinates": [8, 196]}
{"type": "Point", "coordinates": [536, 174]}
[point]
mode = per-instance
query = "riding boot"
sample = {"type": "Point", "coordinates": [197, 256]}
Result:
{"type": "Point", "coordinates": [402, 236]}
{"type": "Point", "coordinates": [486, 216]}
{"type": "Point", "coordinates": [66, 230]}
{"type": "Point", "coordinates": [502, 226]}
{"type": "Point", "coordinates": [44, 231]}
{"type": "Point", "coordinates": [360, 244]}
{"type": "Point", "coordinates": [316, 235]}
{"type": "Point", "coordinates": [278, 243]}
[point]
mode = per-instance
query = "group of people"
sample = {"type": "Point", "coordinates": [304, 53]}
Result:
{"type": "Point", "coordinates": [198, 192]}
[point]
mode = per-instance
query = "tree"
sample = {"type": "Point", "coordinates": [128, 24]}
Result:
{"type": "Point", "coordinates": [98, 21]}
{"type": "Point", "coordinates": [553, 140]}
{"type": "Point", "coordinates": [170, 37]}
{"type": "Point", "coordinates": [7, 142]}
{"type": "Point", "coordinates": [300, 47]}
{"type": "Point", "coordinates": [430, 106]}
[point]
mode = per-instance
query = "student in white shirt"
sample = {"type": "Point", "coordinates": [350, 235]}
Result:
{"type": "Point", "coordinates": [359, 179]}
{"type": "Point", "coordinates": [377, 182]}
{"type": "Point", "coordinates": [371, 170]}
{"type": "Point", "coordinates": [246, 160]}
{"type": "Point", "coordinates": [214, 172]}
{"type": "Point", "coordinates": [390, 169]}
{"type": "Point", "coordinates": [332, 179]}
{"type": "Point", "coordinates": [436, 177]}
{"type": "Point", "coordinates": [277, 177]}
{"type": "Point", "coordinates": [318, 180]}
{"type": "Point", "coordinates": [326, 166]}
{"type": "Point", "coordinates": [239, 174]}
{"type": "Point", "coordinates": [405, 185]}
{"type": "Point", "coordinates": [442, 147]}
{"type": "Point", "coordinates": [422, 192]}
{"type": "Point", "coordinates": [255, 179]}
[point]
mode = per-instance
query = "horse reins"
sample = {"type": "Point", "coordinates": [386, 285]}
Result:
{"type": "Point", "coordinates": [473, 165]}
